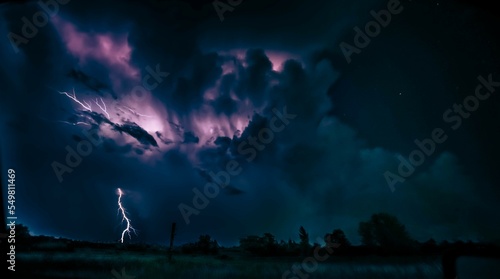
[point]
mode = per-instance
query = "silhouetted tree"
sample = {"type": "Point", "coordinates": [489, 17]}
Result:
{"type": "Point", "coordinates": [338, 236]}
{"type": "Point", "coordinates": [269, 239]}
{"type": "Point", "coordinates": [204, 245]}
{"type": "Point", "coordinates": [251, 243]}
{"type": "Point", "coordinates": [265, 245]}
{"type": "Point", "coordinates": [270, 244]}
{"type": "Point", "coordinates": [430, 246]}
{"type": "Point", "coordinates": [304, 236]}
{"type": "Point", "coordinates": [304, 240]}
{"type": "Point", "coordinates": [365, 230]}
{"type": "Point", "coordinates": [22, 231]}
{"type": "Point", "coordinates": [315, 246]}
{"type": "Point", "coordinates": [386, 231]}
{"type": "Point", "coordinates": [444, 244]}
{"type": "Point", "coordinates": [293, 248]}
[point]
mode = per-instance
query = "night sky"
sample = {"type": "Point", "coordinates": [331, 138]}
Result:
{"type": "Point", "coordinates": [173, 89]}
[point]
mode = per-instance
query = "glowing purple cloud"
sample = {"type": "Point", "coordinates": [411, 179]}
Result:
{"type": "Point", "coordinates": [108, 49]}
{"type": "Point", "coordinates": [166, 125]}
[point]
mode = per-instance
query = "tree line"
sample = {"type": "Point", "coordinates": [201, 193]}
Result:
{"type": "Point", "coordinates": [382, 234]}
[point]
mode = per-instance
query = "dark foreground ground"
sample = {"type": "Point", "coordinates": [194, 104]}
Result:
{"type": "Point", "coordinates": [120, 264]}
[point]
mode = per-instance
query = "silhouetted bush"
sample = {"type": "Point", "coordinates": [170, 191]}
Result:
{"type": "Point", "coordinates": [204, 245]}
{"type": "Point", "coordinates": [265, 245]}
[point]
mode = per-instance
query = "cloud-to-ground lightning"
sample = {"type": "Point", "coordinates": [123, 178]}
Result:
{"type": "Point", "coordinates": [125, 218]}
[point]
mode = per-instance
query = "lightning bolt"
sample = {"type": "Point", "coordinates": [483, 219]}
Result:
{"type": "Point", "coordinates": [103, 107]}
{"type": "Point", "coordinates": [66, 122]}
{"type": "Point", "coordinates": [73, 123]}
{"type": "Point", "coordinates": [83, 103]}
{"type": "Point", "coordinates": [125, 218]}
{"type": "Point", "coordinates": [135, 112]}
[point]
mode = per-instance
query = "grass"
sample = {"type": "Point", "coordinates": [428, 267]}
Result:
{"type": "Point", "coordinates": [95, 264]}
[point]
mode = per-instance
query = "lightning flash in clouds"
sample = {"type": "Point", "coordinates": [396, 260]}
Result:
{"type": "Point", "coordinates": [74, 123]}
{"type": "Point", "coordinates": [134, 112]}
{"type": "Point", "coordinates": [103, 107]}
{"type": "Point", "coordinates": [125, 218]}
{"type": "Point", "coordinates": [84, 104]}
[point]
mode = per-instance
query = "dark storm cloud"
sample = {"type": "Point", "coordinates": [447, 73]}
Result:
{"type": "Point", "coordinates": [163, 139]}
{"type": "Point", "coordinates": [225, 105]}
{"type": "Point", "coordinates": [98, 118]}
{"type": "Point", "coordinates": [91, 82]}
{"type": "Point", "coordinates": [129, 128]}
{"type": "Point", "coordinates": [136, 132]}
{"type": "Point", "coordinates": [212, 158]}
{"type": "Point", "coordinates": [228, 189]}
{"type": "Point", "coordinates": [223, 142]}
{"type": "Point", "coordinates": [323, 171]}
{"type": "Point", "coordinates": [233, 190]}
{"type": "Point", "coordinates": [110, 145]}
{"type": "Point", "coordinates": [255, 81]}
{"type": "Point", "coordinates": [190, 137]}
{"type": "Point", "coordinates": [189, 91]}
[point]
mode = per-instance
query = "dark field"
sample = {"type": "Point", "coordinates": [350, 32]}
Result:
{"type": "Point", "coordinates": [90, 263]}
